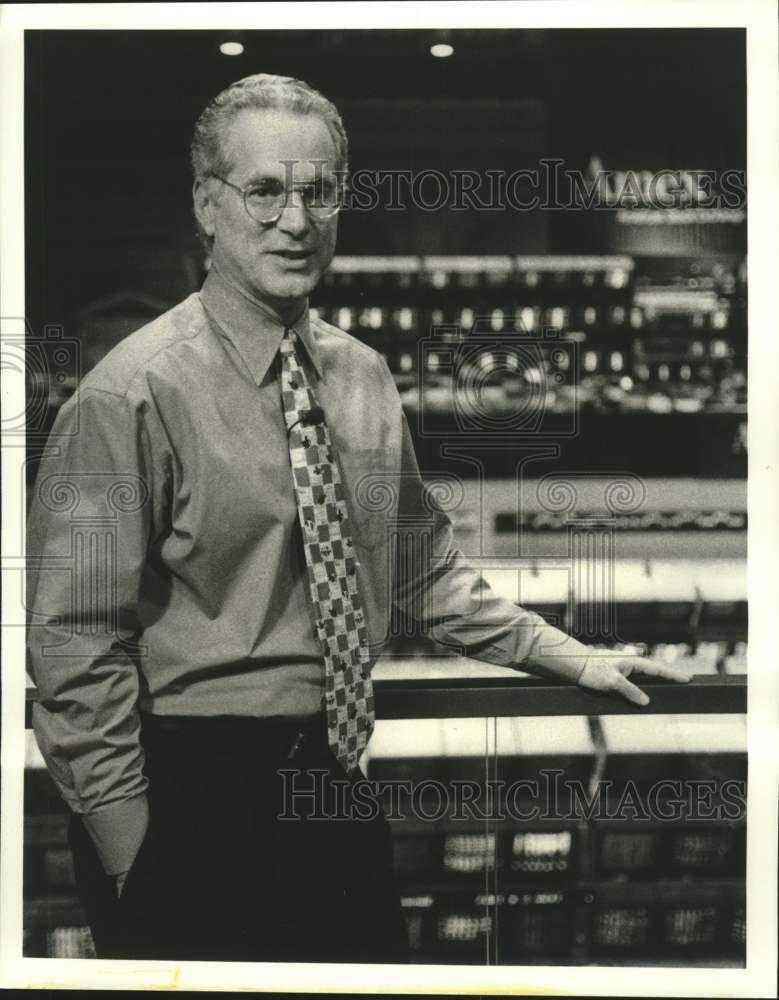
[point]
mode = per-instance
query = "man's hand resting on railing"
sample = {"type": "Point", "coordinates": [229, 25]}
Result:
{"type": "Point", "coordinates": [608, 670]}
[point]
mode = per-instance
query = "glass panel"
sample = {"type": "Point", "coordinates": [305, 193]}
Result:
{"type": "Point", "coordinates": [562, 840]}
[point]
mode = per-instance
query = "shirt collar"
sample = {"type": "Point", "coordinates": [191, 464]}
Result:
{"type": "Point", "coordinates": [251, 327]}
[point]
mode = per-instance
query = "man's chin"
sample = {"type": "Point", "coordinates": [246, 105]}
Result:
{"type": "Point", "coordinates": [291, 287]}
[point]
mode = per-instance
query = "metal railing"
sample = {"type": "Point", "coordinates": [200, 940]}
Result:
{"type": "Point", "coordinates": [496, 696]}
{"type": "Point", "coordinates": [440, 698]}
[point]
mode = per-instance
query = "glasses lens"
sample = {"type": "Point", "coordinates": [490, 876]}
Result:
{"type": "Point", "coordinates": [322, 200]}
{"type": "Point", "coordinates": [265, 201]}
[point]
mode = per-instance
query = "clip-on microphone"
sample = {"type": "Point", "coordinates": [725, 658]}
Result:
{"type": "Point", "coordinates": [316, 415]}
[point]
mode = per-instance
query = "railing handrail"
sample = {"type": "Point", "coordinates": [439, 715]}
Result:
{"type": "Point", "coordinates": [703, 694]}
{"type": "Point", "coordinates": [465, 697]}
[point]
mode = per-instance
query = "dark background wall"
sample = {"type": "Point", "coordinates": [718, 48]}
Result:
{"type": "Point", "coordinates": [109, 117]}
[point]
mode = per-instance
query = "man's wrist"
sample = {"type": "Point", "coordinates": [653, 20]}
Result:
{"type": "Point", "coordinates": [585, 659]}
{"type": "Point", "coordinates": [559, 656]}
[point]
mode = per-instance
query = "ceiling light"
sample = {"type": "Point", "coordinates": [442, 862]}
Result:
{"type": "Point", "coordinates": [441, 50]}
{"type": "Point", "coordinates": [231, 48]}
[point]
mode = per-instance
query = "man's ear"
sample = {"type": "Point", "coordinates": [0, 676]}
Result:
{"type": "Point", "coordinates": [204, 205]}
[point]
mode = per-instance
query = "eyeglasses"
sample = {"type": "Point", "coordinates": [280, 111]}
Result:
{"type": "Point", "coordinates": [266, 200]}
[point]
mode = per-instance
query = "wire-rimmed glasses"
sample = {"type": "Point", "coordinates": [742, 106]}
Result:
{"type": "Point", "coordinates": [265, 200]}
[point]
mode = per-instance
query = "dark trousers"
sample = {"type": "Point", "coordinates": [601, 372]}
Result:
{"type": "Point", "coordinates": [222, 875]}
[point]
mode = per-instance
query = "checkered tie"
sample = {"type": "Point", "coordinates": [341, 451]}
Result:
{"type": "Point", "coordinates": [331, 565]}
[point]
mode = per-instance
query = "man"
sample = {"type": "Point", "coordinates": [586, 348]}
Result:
{"type": "Point", "coordinates": [211, 581]}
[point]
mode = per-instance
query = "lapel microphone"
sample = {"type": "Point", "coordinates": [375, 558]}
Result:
{"type": "Point", "coordinates": [316, 415]}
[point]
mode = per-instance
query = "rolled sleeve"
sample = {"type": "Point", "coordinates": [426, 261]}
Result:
{"type": "Point", "coordinates": [118, 831]}
{"type": "Point", "coordinates": [87, 534]}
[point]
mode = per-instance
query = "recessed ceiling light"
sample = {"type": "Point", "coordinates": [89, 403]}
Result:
{"type": "Point", "coordinates": [441, 50]}
{"type": "Point", "coordinates": [231, 48]}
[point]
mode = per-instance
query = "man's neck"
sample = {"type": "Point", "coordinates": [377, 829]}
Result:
{"type": "Point", "coordinates": [285, 311]}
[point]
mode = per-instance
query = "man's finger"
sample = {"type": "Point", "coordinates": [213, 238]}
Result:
{"type": "Point", "coordinates": [654, 669]}
{"type": "Point", "coordinates": [629, 690]}
{"type": "Point", "coordinates": [671, 673]}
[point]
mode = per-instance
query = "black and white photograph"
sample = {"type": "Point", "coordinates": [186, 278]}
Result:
{"type": "Point", "coordinates": [389, 490]}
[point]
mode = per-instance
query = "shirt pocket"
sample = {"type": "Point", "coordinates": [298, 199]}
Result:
{"type": "Point", "coordinates": [372, 492]}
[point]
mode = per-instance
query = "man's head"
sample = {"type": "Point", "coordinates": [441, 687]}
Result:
{"type": "Point", "coordinates": [268, 130]}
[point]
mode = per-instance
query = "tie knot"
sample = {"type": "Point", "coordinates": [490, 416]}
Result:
{"type": "Point", "coordinates": [288, 341]}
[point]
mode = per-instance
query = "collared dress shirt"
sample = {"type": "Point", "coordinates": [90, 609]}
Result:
{"type": "Point", "coordinates": [165, 564]}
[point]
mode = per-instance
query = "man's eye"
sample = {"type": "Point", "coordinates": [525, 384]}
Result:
{"type": "Point", "coordinates": [266, 189]}
{"type": "Point", "coordinates": [323, 194]}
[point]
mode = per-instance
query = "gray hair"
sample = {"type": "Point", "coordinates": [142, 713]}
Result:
{"type": "Point", "coordinates": [263, 91]}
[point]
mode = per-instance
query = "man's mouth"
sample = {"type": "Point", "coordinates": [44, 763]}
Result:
{"type": "Point", "coordinates": [293, 254]}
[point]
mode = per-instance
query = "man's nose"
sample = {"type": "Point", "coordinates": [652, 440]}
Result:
{"type": "Point", "coordinates": [294, 218]}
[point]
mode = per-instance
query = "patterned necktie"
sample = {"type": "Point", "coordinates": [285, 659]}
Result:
{"type": "Point", "coordinates": [330, 563]}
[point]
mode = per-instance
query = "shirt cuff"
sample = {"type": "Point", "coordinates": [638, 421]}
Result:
{"type": "Point", "coordinates": [118, 831]}
{"type": "Point", "coordinates": [558, 656]}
